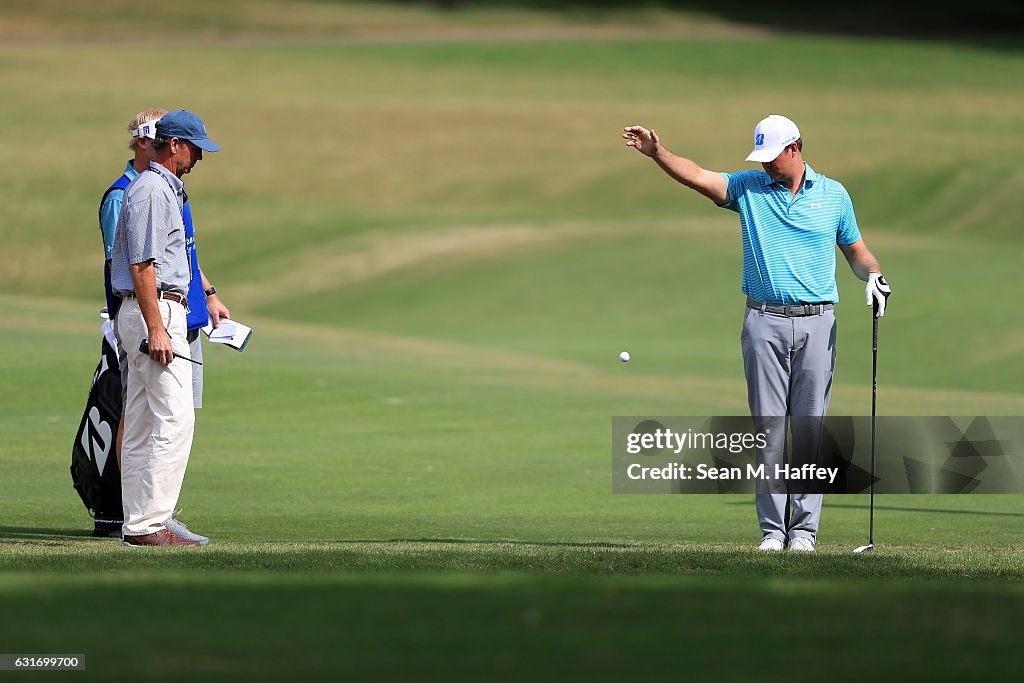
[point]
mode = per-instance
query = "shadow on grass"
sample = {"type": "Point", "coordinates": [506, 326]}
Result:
{"type": "Point", "coordinates": [898, 508]}
{"type": "Point", "coordinates": [19, 533]}
{"type": "Point", "coordinates": [942, 511]}
{"type": "Point", "coordinates": [400, 557]}
{"type": "Point", "coordinates": [469, 541]}
{"type": "Point", "coordinates": [425, 626]}
{"type": "Point", "coordinates": [995, 24]}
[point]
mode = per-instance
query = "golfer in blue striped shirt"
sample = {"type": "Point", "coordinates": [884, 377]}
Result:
{"type": "Point", "coordinates": [791, 219]}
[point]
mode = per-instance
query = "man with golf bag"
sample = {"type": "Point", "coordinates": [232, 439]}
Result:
{"type": "Point", "coordinates": [791, 219]}
{"type": "Point", "coordinates": [95, 474]}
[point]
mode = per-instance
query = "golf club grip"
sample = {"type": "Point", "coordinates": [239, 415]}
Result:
{"type": "Point", "coordinates": [144, 348]}
{"type": "Point", "coordinates": [874, 326]}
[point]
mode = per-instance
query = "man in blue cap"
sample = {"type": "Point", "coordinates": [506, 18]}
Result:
{"type": "Point", "coordinates": [204, 304]}
{"type": "Point", "coordinates": [150, 271]}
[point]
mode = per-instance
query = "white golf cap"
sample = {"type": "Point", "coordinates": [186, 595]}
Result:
{"type": "Point", "coordinates": [771, 137]}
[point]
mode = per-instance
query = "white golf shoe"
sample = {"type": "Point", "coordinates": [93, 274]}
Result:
{"type": "Point", "coordinates": [801, 545]}
{"type": "Point", "coordinates": [179, 529]}
{"type": "Point", "coordinates": [770, 544]}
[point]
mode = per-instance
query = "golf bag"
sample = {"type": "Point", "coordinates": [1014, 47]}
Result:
{"type": "Point", "coordinates": [94, 469]}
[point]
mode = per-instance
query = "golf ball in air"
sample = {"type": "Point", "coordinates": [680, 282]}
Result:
{"type": "Point", "coordinates": [624, 356]}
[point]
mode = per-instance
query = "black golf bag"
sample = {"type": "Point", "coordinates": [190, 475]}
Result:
{"type": "Point", "coordinates": [94, 469]}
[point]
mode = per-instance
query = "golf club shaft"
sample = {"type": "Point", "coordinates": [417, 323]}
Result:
{"type": "Point", "coordinates": [144, 348]}
{"type": "Point", "coordinates": [178, 355]}
{"type": "Point", "coordinates": [874, 398]}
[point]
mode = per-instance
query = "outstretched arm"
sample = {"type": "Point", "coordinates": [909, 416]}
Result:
{"type": "Point", "coordinates": [709, 183]}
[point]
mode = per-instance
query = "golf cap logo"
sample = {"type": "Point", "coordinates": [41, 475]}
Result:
{"type": "Point", "coordinates": [771, 135]}
{"type": "Point", "coordinates": [145, 130]}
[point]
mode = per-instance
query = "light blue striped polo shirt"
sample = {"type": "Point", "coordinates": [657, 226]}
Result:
{"type": "Point", "coordinates": [110, 210]}
{"type": "Point", "coordinates": [789, 242]}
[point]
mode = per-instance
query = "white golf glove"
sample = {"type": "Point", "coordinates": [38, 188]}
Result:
{"type": "Point", "coordinates": [877, 291]}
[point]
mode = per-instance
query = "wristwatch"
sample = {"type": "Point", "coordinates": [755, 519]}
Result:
{"type": "Point", "coordinates": [211, 291]}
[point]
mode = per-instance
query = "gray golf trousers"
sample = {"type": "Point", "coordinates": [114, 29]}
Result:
{"type": "Point", "coordinates": [788, 363]}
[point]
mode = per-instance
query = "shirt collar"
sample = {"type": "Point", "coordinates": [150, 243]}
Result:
{"type": "Point", "coordinates": [810, 177]}
{"type": "Point", "coordinates": [172, 180]}
{"type": "Point", "coordinates": [130, 171]}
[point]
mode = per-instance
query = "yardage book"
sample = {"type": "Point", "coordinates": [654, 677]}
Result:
{"type": "Point", "coordinates": [230, 332]}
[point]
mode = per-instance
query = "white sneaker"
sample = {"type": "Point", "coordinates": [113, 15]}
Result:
{"type": "Point", "coordinates": [770, 544]}
{"type": "Point", "coordinates": [179, 529]}
{"type": "Point", "coordinates": [801, 544]}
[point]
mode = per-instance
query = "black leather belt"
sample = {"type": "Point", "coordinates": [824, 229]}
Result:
{"type": "Point", "coordinates": [791, 311]}
{"type": "Point", "coordinates": [167, 296]}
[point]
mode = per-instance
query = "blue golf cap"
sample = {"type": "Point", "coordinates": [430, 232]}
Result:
{"type": "Point", "coordinates": [185, 125]}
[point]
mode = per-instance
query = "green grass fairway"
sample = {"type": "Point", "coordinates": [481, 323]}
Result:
{"type": "Point", "coordinates": [442, 246]}
{"type": "Point", "coordinates": [399, 508]}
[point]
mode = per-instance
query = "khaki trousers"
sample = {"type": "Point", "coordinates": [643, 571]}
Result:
{"type": "Point", "coordinates": [159, 420]}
